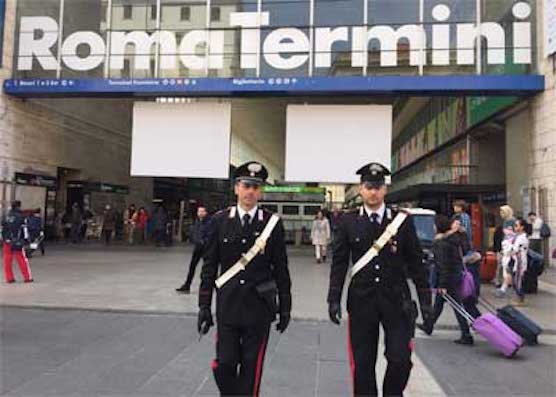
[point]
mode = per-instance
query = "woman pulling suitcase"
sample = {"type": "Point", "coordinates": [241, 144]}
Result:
{"type": "Point", "coordinates": [449, 264]}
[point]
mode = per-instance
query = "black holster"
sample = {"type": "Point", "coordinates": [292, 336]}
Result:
{"type": "Point", "coordinates": [268, 292]}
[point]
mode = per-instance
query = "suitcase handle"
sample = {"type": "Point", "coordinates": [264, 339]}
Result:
{"type": "Point", "coordinates": [487, 305]}
{"type": "Point", "coordinates": [452, 302]}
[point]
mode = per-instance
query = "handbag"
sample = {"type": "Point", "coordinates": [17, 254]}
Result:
{"type": "Point", "coordinates": [467, 286]}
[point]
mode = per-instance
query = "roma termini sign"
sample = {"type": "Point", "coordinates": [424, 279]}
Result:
{"type": "Point", "coordinates": [284, 48]}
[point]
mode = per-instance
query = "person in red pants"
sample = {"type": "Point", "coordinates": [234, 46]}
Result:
{"type": "Point", "coordinates": [14, 234]}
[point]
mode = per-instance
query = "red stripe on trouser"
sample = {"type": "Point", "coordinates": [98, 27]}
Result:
{"type": "Point", "coordinates": [22, 261]}
{"type": "Point", "coordinates": [351, 359]}
{"type": "Point", "coordinates": [259, 369]}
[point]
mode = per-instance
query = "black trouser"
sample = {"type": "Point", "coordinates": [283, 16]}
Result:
{"type": "Point", "coordinates": [439, 306]}
{"type": "Point", "coordinates": [240, 352]}
{"type": "Point", "coordinates": [159, 236]}
{"type": "Point", "coordinates": [197, 255]}
{"type": "Point", "coordinates": [107, 234]}
{"type": "Point", "coordinates": [363, 334]}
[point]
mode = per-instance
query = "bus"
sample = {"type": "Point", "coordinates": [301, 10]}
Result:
{"type": "Point", "coordinates": [297, 206]}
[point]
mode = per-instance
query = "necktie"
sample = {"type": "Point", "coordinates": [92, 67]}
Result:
{"type": "Point", "coordinates": [374, 218]}
{"type": "Point", "coordinates": [246, 222]}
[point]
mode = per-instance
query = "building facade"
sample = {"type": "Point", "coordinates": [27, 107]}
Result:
{"type": "Point", "coordinates": [470, 82]}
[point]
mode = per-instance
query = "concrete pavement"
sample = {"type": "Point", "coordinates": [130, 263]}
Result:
{"type": "Point", "coordinates": [143, 279]}
{"type": "Point", "coordinates": [137, 336]}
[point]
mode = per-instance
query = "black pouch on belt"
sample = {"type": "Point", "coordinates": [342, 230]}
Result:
{"type": "Point", "coordinates": [411, 313]}
{"type": "Point", "coordinates": [268, 292]}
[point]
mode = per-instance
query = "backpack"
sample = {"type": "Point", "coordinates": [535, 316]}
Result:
{"type": "Point", "coordinates": [545, 230]}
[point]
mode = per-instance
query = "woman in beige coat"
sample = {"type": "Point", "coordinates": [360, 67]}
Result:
{"type": "Point", "coordinates": [320, 236]}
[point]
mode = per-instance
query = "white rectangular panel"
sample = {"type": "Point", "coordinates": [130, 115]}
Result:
{"type": "Point", "coordinates": [328, 143]}
{"type": "Point", "coordinates": [181, 140]}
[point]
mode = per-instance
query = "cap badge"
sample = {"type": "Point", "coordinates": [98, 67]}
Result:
{"type": "Point", "coordinates": [254, 168]}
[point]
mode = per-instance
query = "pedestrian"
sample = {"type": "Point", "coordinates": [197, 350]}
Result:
{"type": "Point", "coordinates": [320, 236]}
{"type": "Point", "coordinates": [500, 234]}
{"type": "Point", "coordinates": [535, 238]}
{"type": "Point", "coordinates": [159, 221]}
{"type": "Point", "coordinates": [76, 221]}
{"type": "Point", "coordinates": [378, 293]}
{"type": "Point", "coordinates": [108, 223]}
{"type": "Point", "coordinates": [14, 236]}
{"type": "Point", "coordinates": [334, 221]}
{"type": "Point", "coordinates": [66, 222]}
{"type": "Point", "coordinates": [518, 263]}
{"type": "Point", "coordinates": [460, 208]}
{"type": "Point", "coordinates": [199, 238]}
{"type": "Point", "coordinates": [87, 218]}
{"type": "Point", "coordinates": [36, 230]}
{"type": "Point", "coordinates": [508, 258]}
{"type": "Point", "coordinates": [128, 222]}
{"type": "Point", "coordinates": [446, 249]}
{"type": "Point", "coordinates": [246, 302]}
{"type": "Point", "coordinates": [140, 219]}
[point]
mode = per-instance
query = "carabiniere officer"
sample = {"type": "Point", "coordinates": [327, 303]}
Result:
{"type": "Point", "coordinates": [246, 305]}
{"type": "Point", "coordinates": [379, 293]}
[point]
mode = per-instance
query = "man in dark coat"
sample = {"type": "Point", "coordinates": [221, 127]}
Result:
{"type": "Point", "coordinates": [199, 237]}
{"type": "Point", "coordinates": [378, 294]}
{"type": "Point", "coordinates": [246, 304]}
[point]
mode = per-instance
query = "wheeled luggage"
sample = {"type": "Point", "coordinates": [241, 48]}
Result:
{"type": "Point", "coordinates": [490, 327]}
{"type": "Point", "coordinates": [520, 323]}
{"type": "Point", "coordinates": [488, 266]}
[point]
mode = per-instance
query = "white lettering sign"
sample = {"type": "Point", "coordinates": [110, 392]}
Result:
{"type": "Point", "coordinates": [282, 48]}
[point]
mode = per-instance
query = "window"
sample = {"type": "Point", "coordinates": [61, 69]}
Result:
{"type": "Point", "coordinates": [185, 13]}
{"type": "Point", "coordinates": [128, 12]}
{"type": "Point", "coordinates": [153, 12]}
{"type": "Point", "coordinates": [215, 14]}
{"type": "Point", "coordinates": [290, 210]}
{"type": "Point", "coordinates": [311, 209]}
{"type": "Point", "coordinates": [270, 207]}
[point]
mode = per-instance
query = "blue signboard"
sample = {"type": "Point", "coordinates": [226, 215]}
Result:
{"type": "Point", "coordinates": [191, 87]}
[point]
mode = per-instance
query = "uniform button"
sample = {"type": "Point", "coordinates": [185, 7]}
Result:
{"type": "Point", "coordinates": [377, 280]}
{"type": "Point", "coordinates": [242, 282]}
{"type": "Point", "coordinates": [377, 267]}
{"type": "Point", "coordinates": [243, 241]}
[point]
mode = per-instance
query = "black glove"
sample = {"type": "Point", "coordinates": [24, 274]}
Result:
{"type": "Point", "coordinates": [284, 322]}
{"type": "Point", "coordinates": [335, 312]}
{"type": "Point", "coordinates": [204, 320]}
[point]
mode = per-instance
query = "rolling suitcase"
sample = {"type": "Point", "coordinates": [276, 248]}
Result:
{"type": "Point", "coordinates": [517, 321]}
{"type": "Point", "coordinates": [488, 266]}
{"type": "Point", "coordinates": [490, 327]}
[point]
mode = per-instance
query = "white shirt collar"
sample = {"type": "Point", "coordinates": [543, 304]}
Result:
{"type": "Point", "coordinates": [241, 212]}
{"type": "Point", "coordinates": [380, 212]}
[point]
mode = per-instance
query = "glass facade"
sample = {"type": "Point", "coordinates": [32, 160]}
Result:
{"type": "Point", "coordinates": [273, 38]}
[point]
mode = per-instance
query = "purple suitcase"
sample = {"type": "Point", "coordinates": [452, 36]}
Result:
{"type": "Point", "coordinates": [490, 327]}
{"type": "Point", "coordinates": [498, 334]}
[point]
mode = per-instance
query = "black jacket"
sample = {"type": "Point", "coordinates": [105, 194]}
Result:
{"type": "Point", "coordinates": [14, 228]}
{"type": "Point", "coordinates": [199, 232]}
{"type": "Point", "coordinates": [387, 274]}
{"type": "Point", "coordinates": [448, 259]}
{"type": "Point", "coordinates": [237, 301]}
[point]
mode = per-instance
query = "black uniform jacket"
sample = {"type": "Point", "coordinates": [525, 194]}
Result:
{"type": "Point", "coordinates": [238, 302]}
{"type": "Point", "coordinates": [402, 257]}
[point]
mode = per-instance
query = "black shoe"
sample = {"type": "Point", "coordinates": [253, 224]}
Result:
{"type": "Point", "coordinates": [426, 328]}
{"type": "Point", "coordinates": [465, 340]}
{"type": "Point", "coordinates": [10, 281]}
{"type": "Point", "coordinates": [29, 281]}
{"type": "Point", "coordinates": [324, 258]}
{"type": "Point", "coordinates": [184, 289]}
